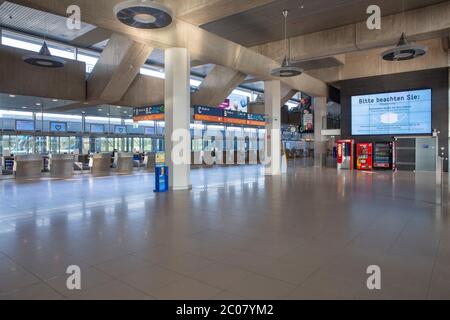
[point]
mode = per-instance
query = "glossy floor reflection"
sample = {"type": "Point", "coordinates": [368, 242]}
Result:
{"type": "Point", "coordinates": [236, 235]}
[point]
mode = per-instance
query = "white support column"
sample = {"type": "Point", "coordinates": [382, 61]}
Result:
{"type": "Point", "coordinates": [177, 96]}
{"type": "Point", "coordinates": [272, 94]}
{"type": "Point", "coordinates": [320, 111]}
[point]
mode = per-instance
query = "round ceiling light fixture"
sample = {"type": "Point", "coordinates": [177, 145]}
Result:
{"type": "Point", "coordinates": [286, 70]}
{"type": "Point", "coordinates": [44, 59]}
{"type": "Point", "coordinates": [143, 14]}
{"type": "Point", "coordinates": [404, 50]}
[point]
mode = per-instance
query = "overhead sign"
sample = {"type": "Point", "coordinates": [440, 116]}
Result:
{"type": "Point", "coordinates": [152, 113]}
{"type": "Point", "coordinates": [235, 117]}
{"type": "Point", "coordinates": [256, 119]}
{"type": "Point", "coordinates": [58, 126]}
{"type": "Point", "coordinates": [205, 114]}
{"type": "Point", "coordinates": [202, 113]}
{"type": "Point", "coordinates": [120, 129]}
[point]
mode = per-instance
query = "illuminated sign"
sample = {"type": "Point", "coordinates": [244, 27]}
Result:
{"type": "Point", "coordinates": [208, 114]}
{"type": "Point", "coordinates": [152, 113]}
{"type": "Point", "coordinates": [58, 127]}
{"type": "Point", "coordinates": [24, 125]}
{"type": "Point", "coordinates": [120, 129]}
{"type": "Point", "coordinates": [256, 119]}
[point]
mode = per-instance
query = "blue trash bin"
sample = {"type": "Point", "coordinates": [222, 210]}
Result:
{"type": "Point", "coordinates": [161, 179]}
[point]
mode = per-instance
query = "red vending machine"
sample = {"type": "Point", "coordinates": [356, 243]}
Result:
{"type": "Point", "coordinates": [345, 154]}
{"type": "Point", "coordinates": [364, 156]}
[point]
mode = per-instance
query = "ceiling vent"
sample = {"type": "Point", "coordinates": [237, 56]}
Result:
{"type": "Point", "coordinates": [44, 59]}
{"type": "Point", "coordinates": [404, 50]}
{"type": "Point", "coordinates": [143, 14]}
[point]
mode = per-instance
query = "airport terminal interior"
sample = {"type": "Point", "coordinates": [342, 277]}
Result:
{"type": "Point", "coordinates": [224, 150]}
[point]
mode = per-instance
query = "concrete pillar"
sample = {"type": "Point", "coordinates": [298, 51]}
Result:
{"type": "Point", "coordinates": [320, 111]}
{"type": "Point", "coordinates": [177, 98]}
{"type": "Point", "coordinates": [272, 95]}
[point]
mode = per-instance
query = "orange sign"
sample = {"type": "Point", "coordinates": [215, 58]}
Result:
{"type": "Point", "coordinates": [149, 117]}
{"type": "Point", "coordinates": [204, 117]}
{"type": "Point", "coordinates": [256, 123]}
{"type": "Point", "coordinates": [235, 121]}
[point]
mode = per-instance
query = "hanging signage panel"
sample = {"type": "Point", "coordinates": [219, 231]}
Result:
{"type": "Point", "coordinates": [235, 117]}
{"type": "Point", "coordinates": [149, 117]}
{"type": "Point", "coordinates": [256, 119]}
{"type": "Point", "coordinates": [151, 113]}
{"type": "Point", "coordinates": [202, 113]}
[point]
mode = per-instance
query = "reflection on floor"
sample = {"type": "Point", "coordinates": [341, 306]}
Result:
{"type": "Point", "coordinates": [237, 235]}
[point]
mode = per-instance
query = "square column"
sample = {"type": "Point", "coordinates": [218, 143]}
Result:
{"type": "Point", "coordinates": [272, 96]}
{"type": "Point", "coordinates": [320, 111]}
{"type": "Point", "coordinates": [177, 100]}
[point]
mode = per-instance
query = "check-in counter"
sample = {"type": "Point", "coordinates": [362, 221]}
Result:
{"type": "Point", "coordinates": [125, 162]}
{"type": "Point", "coordinates": [239, 157]}
{"type": "Point", "coordinates": [252, 157]}
{"type": "Point", "coordinates": [150, 161]}
{"type": "Point", "coordinates": [61, 165]}
{"type": "Point", "coordinates": [28, 166]}
{"type": "Point", "coordinates": [101, 163]}
{"type": "Point", "coordinates": [196, 159]}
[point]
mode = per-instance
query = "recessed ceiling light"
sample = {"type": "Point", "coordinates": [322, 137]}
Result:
{"type": "Point", "coordinates": [83, 112]}
{"type": "Point", "coordinates": [55, 100]}
{"type": "Point", "coordinates": [38, 104]}
{"type": "Point", "coordinates": [125, 112]}
{"type": "Point", "coordinates": [24, 107]}
{"type": "Point", "coordinates": [100, 109]}
{"type": "Point", "coordinates": [12, 96]}
{"type": "Point", "coordinates": [119, 107]}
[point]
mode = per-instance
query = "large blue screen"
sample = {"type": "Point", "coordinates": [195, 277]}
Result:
{"type": "Point", "coordinates": [407, 112]}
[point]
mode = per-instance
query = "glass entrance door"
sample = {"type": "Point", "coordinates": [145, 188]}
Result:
{"type": "Point", "coordinates": [426, 153]}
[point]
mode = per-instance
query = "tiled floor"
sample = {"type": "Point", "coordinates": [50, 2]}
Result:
{"type": "Point", "coordinates": [237, 235]}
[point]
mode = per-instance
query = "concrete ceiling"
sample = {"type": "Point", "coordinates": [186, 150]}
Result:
{"type": "Point", "coordinates": [25, 103]}
{"type": "Point", "coordinates": [265, 24]}
{"type": "Point", "coordinates": [39, 23]}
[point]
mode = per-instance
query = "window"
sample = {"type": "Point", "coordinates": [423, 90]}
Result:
{"type": "Point", "coordinates": [89, 58]}
{"type": "Point", "coordinates": [29, 43]}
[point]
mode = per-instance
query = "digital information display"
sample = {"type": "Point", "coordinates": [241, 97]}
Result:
{"type": "Point", "coordinates": [149, 130]}
{"type": "Point", "coordinates": [120, 129]}
{"type": "Point", "coordinates": [97, 128]}
{"type": "Point", "coordinates": [24, 125]}
{"type": "Point", "coordinates": [399, 113]}
{"type": "Point", "coordinates": [58, 127]}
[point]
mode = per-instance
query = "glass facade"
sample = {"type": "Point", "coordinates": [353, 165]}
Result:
{"type": "Point", "coordinates": [43, 141]}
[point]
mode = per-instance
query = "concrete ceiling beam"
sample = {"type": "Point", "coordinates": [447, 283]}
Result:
{"type": "Point", "coordinates": [420, 24]}
{"type": "Point", "coordinates": [217, 86]}
{"type": "Point", "coordinates": [116, 69]}
{"type": "Point", "coordinates": [368, 63]}
{"type": "Point", "coordinates": [203, 45]}
{"type": "Point", "coordinates": [200, 12]}
{"type": "Point", "coordinates": [91, 38]}
{"type": "Point", "coordinates": [287, 93]}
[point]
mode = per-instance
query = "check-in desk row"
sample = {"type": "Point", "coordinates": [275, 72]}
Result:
{"type": "Point", "coordinates": [202, 159]}
{"type": "Point", "coordinates": [63, 165]}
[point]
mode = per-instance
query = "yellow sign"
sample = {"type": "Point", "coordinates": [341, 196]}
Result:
{"type": "Point", "coordinates": [160, 158]}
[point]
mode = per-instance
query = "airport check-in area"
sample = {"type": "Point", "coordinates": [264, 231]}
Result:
{"type": "Point", "coordinates": [197, 151]}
